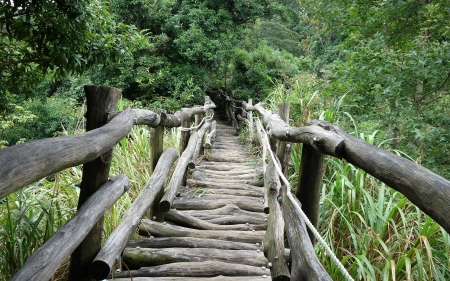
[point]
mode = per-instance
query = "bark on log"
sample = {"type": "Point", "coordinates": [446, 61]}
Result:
{"type": "Point", "coordinates": [216, 278]}
{"type": "Point", "coordinates": [211, 137]}
{"type": "Point", "coordinates": [283, 112]}
{"type": "Point", "coordinates": [141, 117]}
{"type": "Point", "coordinates": [175, 120]}
{"type": "Point", "coordinates": [157, 145]}
{"type": "Point", "coordinates": [196, 270]}
{"type": "Point", "coordinates": [186, 220]}
{"type": "Point", "coordinates": [227, 220]}
{"type": "Point", "coordinates": [260, 133]}
{"type": "Point", "coordinates": [206, 179]}
{"type": "Point", "coordinates": [18, 162]}
{"type": "Point", "coordinates": [100, 100]}
{"type": "Point", "coordinates": [310, 185]}
{"type": "Point", "coordinates": [113, 247]}
{"type": "Point", "coordinates": [274, 239]}
{"type": "Point", "coordinates": [48, 258]}
{"type": "Point", "coordinates": [157, 229]}
{"type": "Point", "coordinates": [191, 182]}
{"type": "Point", "coordinates": [323, 141]}
{"type": "Point", "coordinates": [191, 242]}
{"type": "Point", "coordinates": [249, 204]}
{"type": "Point", "coordinates": [191, 192]}
{"type": "Point", "coordinates": [177, 175]}
{"type": "Point", "coordinates": [201, 133]}
{"type": "Point", "coordinates": [144, 257]}
{"type": "Point", "coordinates": [304, 263]}
{"type": "Point", "coordinates": [427, 190]}
{"type": "Point", "coordinates": [199, 174]}
{"type": "Point", "coordinates": [229, 209]}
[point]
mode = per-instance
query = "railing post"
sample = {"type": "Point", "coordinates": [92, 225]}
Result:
{"type": "Point", "coordinates": [100, 101]}
{"type": "Point", "coordinates": [250, 123]}
{"type": "Point", "coordinates": [198, 119]}
{"type": "Point", "coordinates": [283, 154]}
{"type": "Point", "coordinates": [156, 149]}
{"type": "Point", "coordinates": [310, 184]}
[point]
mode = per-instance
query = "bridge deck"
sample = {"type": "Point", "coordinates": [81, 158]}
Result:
{"type": "Point", "coordinates": [216, 226]}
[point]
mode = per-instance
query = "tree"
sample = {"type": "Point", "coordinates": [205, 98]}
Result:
{"type": "Point", "coordinates": [56, 37]}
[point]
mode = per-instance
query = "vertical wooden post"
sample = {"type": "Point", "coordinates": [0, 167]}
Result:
{"type": "Point", "coordinates": [250, 119]}
{"type": "Point", "coordinates": [310, 184]}
{"type": "Point", "coordinates": [198, 119]}
{"type": "Point", "coordinates": [283, 112]}
{"type": "Point", "coordinates": [100, 101]}
{"type": "Point", "coordinates": [156, 149]}
{"type": "Point", "coordinates": [185, 134]}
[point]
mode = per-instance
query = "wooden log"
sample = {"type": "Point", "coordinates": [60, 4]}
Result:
{"type": "Point", "coordinates": [156, 144]}
{"type": "Point", "coordinates": [204, 178]}
{"type": "Point", "coordinates": [100, 100]}
{"type": "Point", "coordinates": [196, 270]}
{"type": "Point", "coordinates": [157, 229]}
{"type": "Point", "coordinates": [177, 119]}
{"type": "Point", "coordinates": [200, 174]}
{"type": "Point", "coordinates": [227, 220]}
{"type": "Point", "coordinates": [323, 141]}
{"type": "Point", "coordinates": [144, 257]}
{"type": "Point", "coordinates": [199, 146]}
{"type": "Point", "coordinates": [236, 159]}
{"type": "Point", "coordinates": [310, 185]}
{"type": "Point", "coordinates": [427, 190]}
{"type": "Point", "coordinates": [274, 239]}
{"type": "Point", "coordinates": [191, 242]}
{"type": "Point", "coordinates": [56, 154]}
{"type": "Point", "coordinates": [141, 117]}
{"type": "Point", "coordinates": [185, 135]}
{"type": "Point", "coordinates": [211, 137]}
{"type": "Point", "coordinates": [113, 247]}
{"type": "Point", "coordinates": [177, 175]}
{"type": "Point", "coordinates": [283, 112]}
{"type": "Point", "coordinates": [198, 120]}
{"type": "Point", "coordinates": [242, 186]}
{"type": "Point", "coordinates": [304, 262]}
{"type": "Point", "coordinates": [186, 220]}
{"type": "Point", "coordinates": [229, 209]}
{"type": "Point", "coordinates": [216, 278]}
{"type": "Point", "coordinates": [249, 203]}
{"type": "Point", "coordinates": [48, 258]}
{"type": "Point", "coordinates": [260, 134]}
{"type": "Point", "coordinates": [192, 192]}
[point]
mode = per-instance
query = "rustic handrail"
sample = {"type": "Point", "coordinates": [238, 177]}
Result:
{"type": "Point", "coordinates": [28, 162]}
{"type": "Point", "coordinates": [47, 259]}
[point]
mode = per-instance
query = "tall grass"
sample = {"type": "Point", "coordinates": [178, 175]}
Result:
{"type": "Point", "coordinates": [30, 216]}
{"type": "Point", "coordinates": [374, 230]}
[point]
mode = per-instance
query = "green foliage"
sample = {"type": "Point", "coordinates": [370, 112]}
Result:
{"type": "Point", "coordinates": [57, 37]}
{"type": "Point", "coordinates": [48, 118]}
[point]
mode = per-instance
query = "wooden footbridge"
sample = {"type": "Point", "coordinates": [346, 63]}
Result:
{"type": "Point", "coordinates": [225, 214]}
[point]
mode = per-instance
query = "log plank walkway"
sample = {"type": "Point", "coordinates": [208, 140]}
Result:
{"type": "Point", "coordinates": [216, 226]}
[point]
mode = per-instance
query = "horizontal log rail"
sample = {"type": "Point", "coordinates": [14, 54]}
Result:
{"type": "Point", "coordinates": [28, 162]}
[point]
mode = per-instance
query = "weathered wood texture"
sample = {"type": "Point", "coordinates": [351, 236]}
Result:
{"type": "Point", "coordinates": [199, 145]}
{"type": "Point", "coordinates": [216, 278]}
{"type": "Point", "coordinates": [229, 209]}
{"type": "Point", "coordinates": [283, 155]}
{"type": "Point", "coordinates": [56, 154]}
{"type": "Point", "coordinates": [322, 140]}
{"type": "Point", "coordinates": [211, 136]}
{"type": "Point", "coordinates": [113, 247]}
{"type": "Point", "coordinates": [157, 229]}
{"type": "Point", "coordinates": [156, 144]}
{"type": "Point", "coordinates": [310, 184]}
{"type": "Point", "coordinates": [274, 239]}
{"type": "Point", "coordinates": [197, 270]}
{"type": "Point", "coordinates": [141, 117]}
{"type": "Point", "coordinates": [143, 257]}
{"type": "Point", "coordinates": [178, 174]}
{"type": "Point", "coordinates": [186, 220]}
{"type": "Point", "coordinates": [246, 203]}
{"type": "Point", "coordinates": [427, 190]}
{"type": "Point", "coordinates": [260, 135]}
{"type": "Point", "coordinates": [191, 242]}
{"type": "Point", "coordinates": [48, 258]}
{"type": "Point", "coordinates": [100, 100]}
{"type": "Point", "coordinates": [304, 263]}
{"type": "Point", "coordinates": [177, 119]}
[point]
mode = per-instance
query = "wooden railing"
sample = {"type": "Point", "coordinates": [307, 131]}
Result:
{"type": "Point", "coordinates": [427, 190]}
{"type": "Point", "coordinates": [81, 236]}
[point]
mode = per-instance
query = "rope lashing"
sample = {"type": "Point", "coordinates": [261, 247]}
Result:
{"type": "Point", "coordinates": [307, 221]}
{"type": "Point", "coordinates": [199, 125]}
